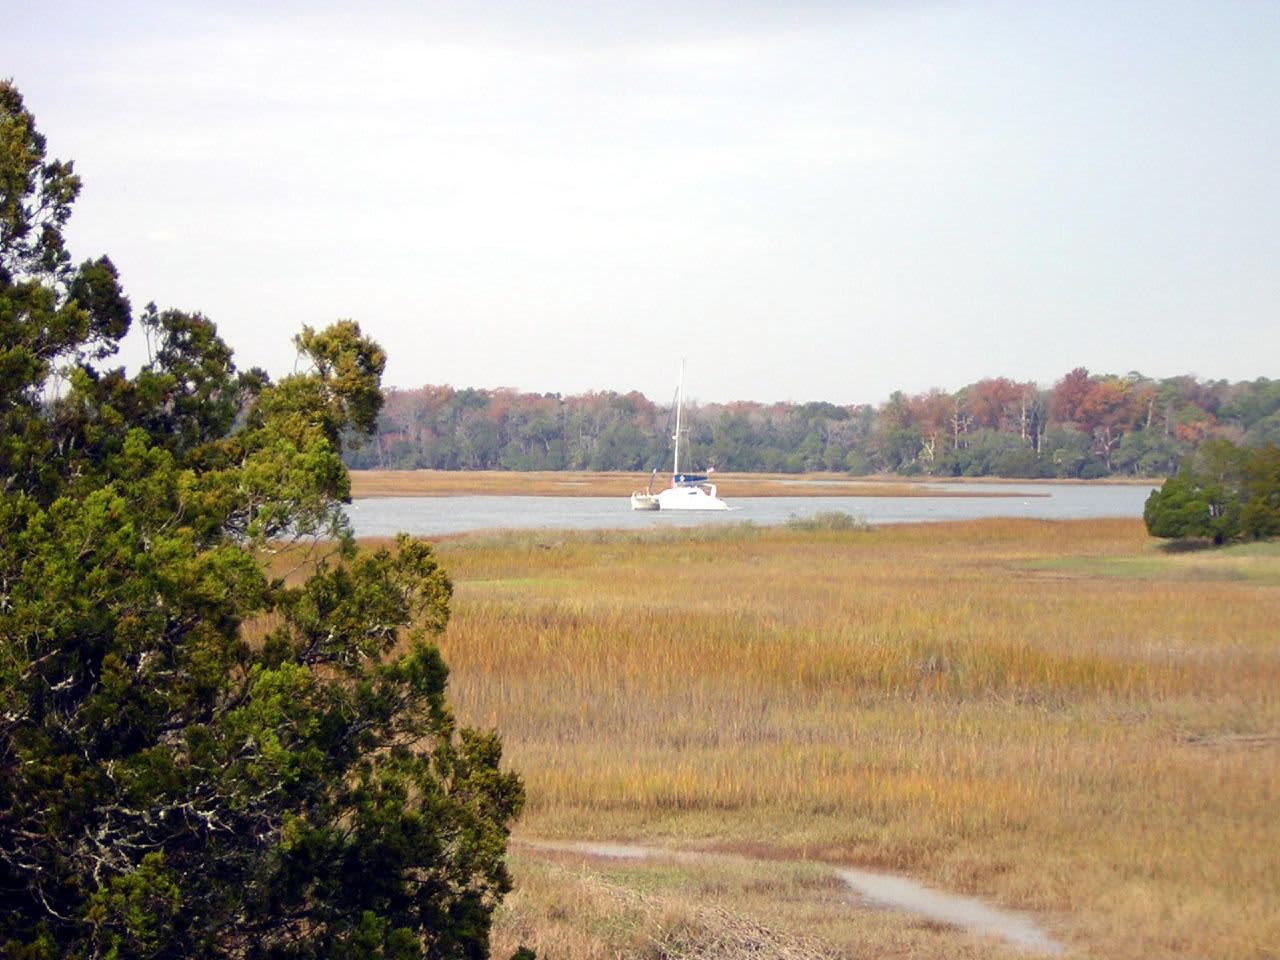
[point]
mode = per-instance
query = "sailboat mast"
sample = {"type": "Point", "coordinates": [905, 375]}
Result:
{"type": "Point", "coordinates": [675, 466]}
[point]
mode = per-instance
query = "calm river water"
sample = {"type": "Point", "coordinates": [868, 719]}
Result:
{"type": "Point", "coordinates": [433, 516]}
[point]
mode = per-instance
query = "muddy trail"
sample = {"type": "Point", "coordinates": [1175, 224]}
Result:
{"type": "Point", "coordinates": [887, 890]}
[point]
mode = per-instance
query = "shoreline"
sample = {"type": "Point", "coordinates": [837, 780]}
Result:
{"type": "Point", "coordinates": [371, 484]}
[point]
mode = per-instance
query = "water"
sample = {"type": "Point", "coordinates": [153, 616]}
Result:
{"type": "Point", "coordinates": [435, 516]}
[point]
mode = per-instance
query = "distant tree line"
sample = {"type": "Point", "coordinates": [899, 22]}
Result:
{"type": "Point", "coordinates": [1084, 426]}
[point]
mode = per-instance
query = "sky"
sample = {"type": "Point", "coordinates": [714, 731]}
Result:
{"type": "Point", "coordinates": [801, 200]}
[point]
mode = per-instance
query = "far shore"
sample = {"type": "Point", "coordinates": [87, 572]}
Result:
{"type": "Point", "coordinates": [367, 484]}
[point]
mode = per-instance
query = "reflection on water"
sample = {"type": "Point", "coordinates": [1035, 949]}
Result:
{"type": "Point", "coordinates": [433, 516]}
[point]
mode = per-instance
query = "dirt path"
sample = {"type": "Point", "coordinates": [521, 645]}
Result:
{"type": "Point", "coordinates": [884, 889]}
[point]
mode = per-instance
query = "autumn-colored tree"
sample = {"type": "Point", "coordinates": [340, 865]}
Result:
{"type": "Point", "coordinates": [1069, 394]}
{"type": "Point", "coordinates": [1106, 412]}
{"type": "Point", "coordinates": [995, 403]}
{"type": "Point", "coordinates": [932, 412]}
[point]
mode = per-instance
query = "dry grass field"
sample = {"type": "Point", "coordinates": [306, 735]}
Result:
{"type": "Point", "coordinates": [1056, 716]}
{"type": "Point", "coordinates": [444, 483]}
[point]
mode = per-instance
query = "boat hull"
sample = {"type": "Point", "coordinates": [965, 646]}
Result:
{"type": "Point", "coordinates": [644, 501]}
{"type": "Point", "coordinates": [699, 497]}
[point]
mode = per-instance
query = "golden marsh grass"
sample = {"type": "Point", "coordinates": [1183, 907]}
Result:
{"type": "Point", "coordinates": [1053, 715]}
{"type": "Point", "coordinates": [445, 483]}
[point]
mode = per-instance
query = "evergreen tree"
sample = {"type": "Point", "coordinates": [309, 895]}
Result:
{"type": "Point", "coordinates": [200, 757]}
{"type": "Point", "coordinates": [1223, 493]}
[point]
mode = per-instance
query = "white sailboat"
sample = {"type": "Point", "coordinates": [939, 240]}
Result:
{"type": "Point", "coordinates": [688, 491]}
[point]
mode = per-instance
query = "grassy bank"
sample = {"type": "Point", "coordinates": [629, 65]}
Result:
{"type": "Point", "coordinates": [1056, 716]}
{"type": "Point", "coordinates": [447, 483]}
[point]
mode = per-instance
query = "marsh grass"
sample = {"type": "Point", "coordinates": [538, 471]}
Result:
{"type": "Point", "coordinates": [445, 483]}
{"type": "Point", "coordinates": [829, 520]}
{"type": "Point", "coordinates": [1052, 715]}
{"type": "Point", "coordinates": [1259, 562]}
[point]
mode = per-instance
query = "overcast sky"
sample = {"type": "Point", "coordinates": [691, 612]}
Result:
{"type": "Point", "coordinates": [807, 201]}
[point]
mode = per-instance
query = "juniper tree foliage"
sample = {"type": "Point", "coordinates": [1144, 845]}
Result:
{"type": "Point", "coordinates": [1223, 493]}
{"type": "Point", "coordinates": [198, 759]}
